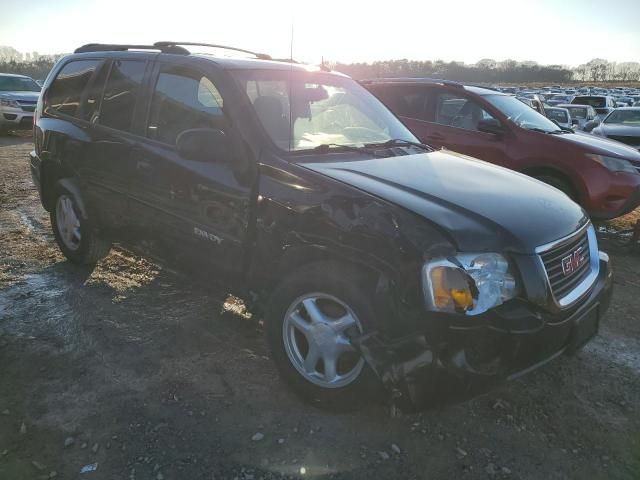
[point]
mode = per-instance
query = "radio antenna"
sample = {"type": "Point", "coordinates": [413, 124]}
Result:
{"type": "Point", "coordinates": [290, 89]}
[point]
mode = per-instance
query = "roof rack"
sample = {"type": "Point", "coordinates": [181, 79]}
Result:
{"type": "Point", "coordinates": [262, 56]}
{"type": "Point", "coordinates": [437, 81]}
{"type": "Point", "coordinates": [164, 47]}
{"type": "Point", "coordinates": [105, 47]}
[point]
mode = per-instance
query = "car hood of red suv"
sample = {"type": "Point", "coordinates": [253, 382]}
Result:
{"type": "Point", "coordinates": [482, 206]}
{"type": "Point", "coordinates": [602, 146]}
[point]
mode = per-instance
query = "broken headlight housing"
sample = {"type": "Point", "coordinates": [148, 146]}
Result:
{"type": "Point", "coordinates": [468, 283]}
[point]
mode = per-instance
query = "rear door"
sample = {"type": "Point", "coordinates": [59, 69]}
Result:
{"type": "Point", "coordinates": [111, 110]}
{"type": "Point", "coordinates": [199, 209]}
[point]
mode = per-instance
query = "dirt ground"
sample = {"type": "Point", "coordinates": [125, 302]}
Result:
{"type": "Point", "coordinates": [134, 368]}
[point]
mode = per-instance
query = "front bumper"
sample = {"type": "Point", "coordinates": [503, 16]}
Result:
{"type": "Point", "coordinates": [15, 119]}
{"type": "Point", "coordinates": [624, 197]}
{"type": "Point", "coordinates": [514, 339]}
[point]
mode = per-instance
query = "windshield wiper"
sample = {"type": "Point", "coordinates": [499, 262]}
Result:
{"type": "Point", "coordinates": [336, 147]}
{"type": "Point", "coordinates": [542, 130]}
{"type": "Point", "coordinates": [399, 142]}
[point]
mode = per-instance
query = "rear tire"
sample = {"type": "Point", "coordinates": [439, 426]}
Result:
{"type": "Point", "coordinates": [304, 350]}
{"type": "Point", "coordinates": [76, 236]}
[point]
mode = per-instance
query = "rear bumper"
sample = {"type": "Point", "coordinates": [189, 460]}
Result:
{"type": "Point", "coordinates": [513, 341]}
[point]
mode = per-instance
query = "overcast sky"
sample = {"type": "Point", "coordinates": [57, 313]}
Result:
{"type": "Point", "coordinates": [568, 32]}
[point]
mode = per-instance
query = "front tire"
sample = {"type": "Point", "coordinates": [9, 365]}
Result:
{"type": "Point", "coordinates": [309, 317]}
{"type": "Point", "coordinates": [76, 236]}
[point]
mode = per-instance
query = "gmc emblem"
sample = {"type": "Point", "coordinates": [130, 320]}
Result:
{"type": "Point", "coordinates": [572, 262]}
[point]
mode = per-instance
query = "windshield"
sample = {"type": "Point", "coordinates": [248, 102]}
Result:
{"type": "Point", "coordinates": [18, 84]}
{"type": "Point", "coordinates": [558, 115]}
{"type": "Point", "coordinates": [626, 117]}
{"type": "Point", "coordinates": [577, 112]}
{"type": "Point", "coordinates": [520, 114]}
{"type": "Point", "coordinates": [302, 110]}
{"type": "Point", "coordinates": [595, 102]}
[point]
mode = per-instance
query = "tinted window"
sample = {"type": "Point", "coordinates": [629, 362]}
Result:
{"type": "Point", "coordinates": [405, 101]}
{"type": "Point", "coordinates": [183, 99]}
{"type": "Point", "coordinates": [66, 90]}
{"type": "Point", "coordinates": [596, 102]}
{"type": "Point", "coordinates": [121, 94]}
{"type": "Point", "coordinates": [460, 112]}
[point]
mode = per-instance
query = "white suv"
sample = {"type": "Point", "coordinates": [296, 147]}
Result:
{"type": "Point", "coordinates": [18, 98]}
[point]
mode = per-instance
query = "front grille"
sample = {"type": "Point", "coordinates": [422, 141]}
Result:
{"type": "Point", "coordinates": [27, 106]}
{"type": "Point", "coordinates": [563, 279]}
{"type": "Point", "coordinates": [629, 140]}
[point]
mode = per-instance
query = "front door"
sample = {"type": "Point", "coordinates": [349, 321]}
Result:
{"type": "Point", "coordinates": [452, 123]}
{"type": "Point", "coordinates": [198, 209]}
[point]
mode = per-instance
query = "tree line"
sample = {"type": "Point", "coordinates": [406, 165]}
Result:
{"type": "Point", "coordinates": [484, 71]}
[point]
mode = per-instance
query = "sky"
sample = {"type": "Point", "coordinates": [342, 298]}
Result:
{"type": "Point", "coordinates": [566, 32]}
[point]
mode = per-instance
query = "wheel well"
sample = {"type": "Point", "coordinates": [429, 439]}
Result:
{"type": "Point", "coordinates": [50, 173]}
{"type": "Point", "coordinates": [296, 258]}
{"type": "Point", "coordinates": [552, 172]}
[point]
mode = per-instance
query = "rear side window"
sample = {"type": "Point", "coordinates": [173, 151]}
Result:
{"type": "Point", "coordinates": [68, 87]}
{"type": "Point", "coordinates": [121, 94]}
{"type": "Point", "coordinates": [405, 101]}
{"type": "Point", "coordinates": [183, 99]}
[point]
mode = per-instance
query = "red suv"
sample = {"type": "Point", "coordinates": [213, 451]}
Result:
{"type": "Point", "coordinates": [601, 175]}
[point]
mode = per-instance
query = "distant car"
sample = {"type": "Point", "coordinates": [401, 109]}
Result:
{"type": "Point", "coordinates": [581, 115]}
{"type": "Point", "coordinates": [603, 104]}
{"type": "Point", "coordinates": [558, 99]}
{"type": "Point", "coordinates": [18, 98]}
{"type": "Point", "coordinates": [624, 101]}
{"type": "Point", "coordinates": [559, 115]}
{"type": "Point", "coordinates": [623, 125]}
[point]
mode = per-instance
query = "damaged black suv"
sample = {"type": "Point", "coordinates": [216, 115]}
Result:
{"type": "Point", "coordinates": [374, 259]}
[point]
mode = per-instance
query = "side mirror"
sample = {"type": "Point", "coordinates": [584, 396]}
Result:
{"type": "Point", "coordinates": [490, 125]}
{"type": "Point", "coordinates": [590, 125]}
{"type": "Point", "coordinates": [204, 145]}
{"type": "Point", "coordinates": [574, 121]}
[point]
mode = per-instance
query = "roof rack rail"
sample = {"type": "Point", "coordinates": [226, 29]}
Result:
{"type": "Point", "coordinates": [106, 47]}
{"type": "Point", "coordinates": [437, 81]}
{"type": "Point", "coordinates": [262, 56]}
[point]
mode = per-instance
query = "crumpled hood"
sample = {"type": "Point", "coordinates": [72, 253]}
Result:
{"type": "Point", "coordinates": [21, 96]}
{"type": "Point", "coordinates": [482, 207]}
{"type": "Point", "coordinates": [601, 145]}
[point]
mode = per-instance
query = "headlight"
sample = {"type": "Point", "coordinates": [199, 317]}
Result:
{"type": "Point", "coordinates": [5, 102]}
{"type": "Point", "coordinates": [613, 164]}
{"type": "Point", "coordinates": [468, 283]}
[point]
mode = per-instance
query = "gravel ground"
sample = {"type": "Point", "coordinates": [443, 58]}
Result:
{"type": "Point", "coordinates": [137, 370]}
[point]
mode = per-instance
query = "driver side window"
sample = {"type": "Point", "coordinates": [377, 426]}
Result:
{"type": "Point", "coordinates": [458, 111]}
{"type": "Point", "coordinates": [182, 100]}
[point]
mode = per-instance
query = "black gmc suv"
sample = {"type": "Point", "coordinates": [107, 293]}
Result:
{"type": "Point", "coordinates": [376, 259]}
